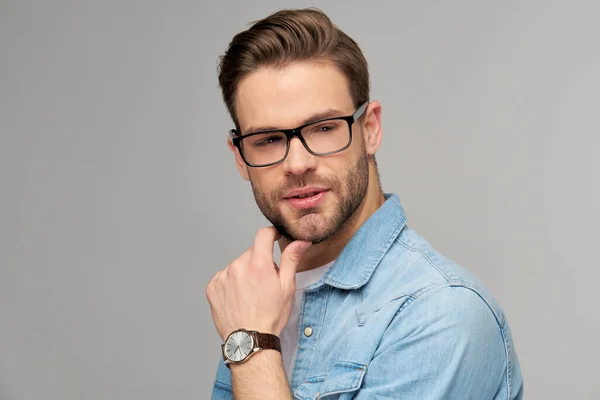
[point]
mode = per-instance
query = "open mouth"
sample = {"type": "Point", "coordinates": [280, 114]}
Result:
{"type": "Point", "coordinates": [303, 196]}
{"type": "Point", "coordinates": [306, 200]}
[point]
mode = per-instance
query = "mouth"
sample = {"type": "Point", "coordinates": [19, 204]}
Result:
{"type": "Point", "coordinates": [306, 198]}
{"type": "Point", "coordinates": [304, 192]}
{"type": "Point", "coordinates": [305, 195]}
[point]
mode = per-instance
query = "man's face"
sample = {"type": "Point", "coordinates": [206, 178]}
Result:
{"type": "Point", "coordinates": [286, 98]}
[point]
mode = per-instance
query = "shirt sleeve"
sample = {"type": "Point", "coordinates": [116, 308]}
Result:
{"type": "Point", "coordinates": [221, 392]}
{"type": "Point", "coordinates": [222, 385]}
{"type": "Point", "coordinates": [445, 344]}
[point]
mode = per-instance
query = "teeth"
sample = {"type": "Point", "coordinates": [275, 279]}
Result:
{"type": "Point", "coordinates": [305, 195]}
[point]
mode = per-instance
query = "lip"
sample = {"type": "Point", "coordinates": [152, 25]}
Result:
{"type": "Point", "coordinates": [306, 203]}
{"type": "Point", "coordinates": [302, 191]}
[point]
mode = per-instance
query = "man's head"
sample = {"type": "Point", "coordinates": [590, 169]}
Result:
{"type": "Point", "coordinates": [288, 70]}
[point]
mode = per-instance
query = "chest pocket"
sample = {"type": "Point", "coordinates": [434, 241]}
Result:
{"type": "Point", "coordinates": [343, 378]}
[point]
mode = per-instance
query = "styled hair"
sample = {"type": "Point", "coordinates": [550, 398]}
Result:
{"type": "Point", "coordinates": [288, 36]}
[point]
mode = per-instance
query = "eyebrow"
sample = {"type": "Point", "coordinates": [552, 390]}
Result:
{"type": "Point", "coordinates": [329, 113]}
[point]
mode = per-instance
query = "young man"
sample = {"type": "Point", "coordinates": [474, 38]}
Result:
{"type": "Point", "coordinates": [360, 306]}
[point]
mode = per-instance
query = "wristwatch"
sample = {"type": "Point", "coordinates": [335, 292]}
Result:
{"type": "Point", "coordinates": [241, 344]}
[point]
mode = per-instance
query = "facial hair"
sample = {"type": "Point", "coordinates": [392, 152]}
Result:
{"type": "Point", "coordinates": [316, 224]}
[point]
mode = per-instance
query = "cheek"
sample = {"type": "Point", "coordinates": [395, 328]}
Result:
{"type": "Point", "coordinates": [339, 167]}
{"type": "Point", "coordinates": [264, 181]}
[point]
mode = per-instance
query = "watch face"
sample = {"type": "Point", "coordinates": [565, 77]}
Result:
{"type": "Point", "coordinates": [238, 345]}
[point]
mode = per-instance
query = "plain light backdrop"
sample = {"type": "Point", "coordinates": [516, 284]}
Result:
{"type": "Point", "coordinates": [119, 198]}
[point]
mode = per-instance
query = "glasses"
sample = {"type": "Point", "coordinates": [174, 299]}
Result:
{"type": "Point", "coordinates": [320, 138]}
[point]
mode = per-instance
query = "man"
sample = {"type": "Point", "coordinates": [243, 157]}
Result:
{"type": "Point", "coordinates": [360, 305]}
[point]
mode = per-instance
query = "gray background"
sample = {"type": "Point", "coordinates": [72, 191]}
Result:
{"type": "Point", "coordinates": [119, 199]}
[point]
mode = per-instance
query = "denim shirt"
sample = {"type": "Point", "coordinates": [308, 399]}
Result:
{"type": "Point", "coordinates": [395, 319]}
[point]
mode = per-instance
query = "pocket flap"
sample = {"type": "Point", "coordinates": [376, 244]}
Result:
{"type": "Point", "coordinates": [343, 377]}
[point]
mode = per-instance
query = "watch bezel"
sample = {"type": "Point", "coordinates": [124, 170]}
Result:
{"type": "Point", "coordinates": [254, 349]}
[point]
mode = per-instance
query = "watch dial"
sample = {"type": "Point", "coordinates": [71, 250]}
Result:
{"type": "Point", "coordinates": [238, 346]}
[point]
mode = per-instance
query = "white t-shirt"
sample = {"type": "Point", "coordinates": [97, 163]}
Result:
{"type": "Point", "coordinates": [289, 335]}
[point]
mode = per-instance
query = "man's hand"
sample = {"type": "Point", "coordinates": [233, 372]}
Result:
{"type": "Point", "coordinates": [252, 293]}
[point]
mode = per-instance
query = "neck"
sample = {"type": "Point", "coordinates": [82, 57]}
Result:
{"type": "Point", "coordinates": [328, 250]}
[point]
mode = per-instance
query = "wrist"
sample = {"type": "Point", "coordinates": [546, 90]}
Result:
{"type": "Point", "coordinates": [263, 377]}
{"type": "Point", "coordinates": [264, 357]}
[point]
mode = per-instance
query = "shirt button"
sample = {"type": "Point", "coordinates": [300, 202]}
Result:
{"type": "Point", "coordinates": [308, 331]}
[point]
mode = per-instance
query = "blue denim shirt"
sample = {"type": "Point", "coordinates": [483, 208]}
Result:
{"type": "Point", "coordinates": [394, 319]}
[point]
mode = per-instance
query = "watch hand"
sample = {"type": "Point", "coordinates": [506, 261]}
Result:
{"type": "Point", "coordinates": [241, 355]}
{"type": "Point", "coordinates": [236, 350]}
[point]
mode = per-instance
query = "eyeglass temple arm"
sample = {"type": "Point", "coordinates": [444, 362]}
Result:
{"type": "Point", "coordinates": [359, 112]}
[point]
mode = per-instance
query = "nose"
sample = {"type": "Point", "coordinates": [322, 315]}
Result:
{"type": "Point", "coordinates": [298, 160]}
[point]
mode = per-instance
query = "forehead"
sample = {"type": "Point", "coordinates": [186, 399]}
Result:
{"type": "Point", "coordinates": [285, 97]}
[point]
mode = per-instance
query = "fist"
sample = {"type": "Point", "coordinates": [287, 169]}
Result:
{"type": "Point", "coordinates": [253, 292]}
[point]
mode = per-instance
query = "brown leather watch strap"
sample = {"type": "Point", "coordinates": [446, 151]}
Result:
{"type": "Point", "coordinates": [268, 341]}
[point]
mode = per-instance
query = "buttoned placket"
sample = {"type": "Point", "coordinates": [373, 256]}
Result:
{"type": "Point", "coordinates": [314, 304]}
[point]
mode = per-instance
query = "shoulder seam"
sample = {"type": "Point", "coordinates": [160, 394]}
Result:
{"type": "Point", "coordinates": [457, 284]}
{"type": "Point", "coordinates": [422, 253]}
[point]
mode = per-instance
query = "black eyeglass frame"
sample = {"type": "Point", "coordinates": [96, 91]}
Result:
{"type": "Point", "coordinates": [237, 137]}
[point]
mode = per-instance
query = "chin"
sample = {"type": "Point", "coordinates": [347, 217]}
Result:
{"type": "Point", "coordinates": [311, 228]}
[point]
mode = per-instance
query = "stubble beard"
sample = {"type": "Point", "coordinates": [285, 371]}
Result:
{"type": "Point", "coordinates": [313, 224]}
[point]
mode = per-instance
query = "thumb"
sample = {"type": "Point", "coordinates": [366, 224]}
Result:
{"type": "Point", "coordinates": [290, 258]}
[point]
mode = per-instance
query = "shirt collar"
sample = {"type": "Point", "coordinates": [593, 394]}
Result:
{"type": "Point", "coordinates": [356, 263]}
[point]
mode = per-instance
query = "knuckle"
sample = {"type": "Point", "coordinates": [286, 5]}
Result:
{"type": "Point", "coordinates": [293, 257]}
{"type": "Point", "coordinates": [235, 268]}
{"type": "Point", "coordinates": [211, 287]}
{"type": "Point", "coordinates": [210, 290]}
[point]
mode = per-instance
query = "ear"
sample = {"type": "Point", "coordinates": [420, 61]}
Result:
{"type": "Point", "coordinates": [372, 132]}
{"type": "Point", "coordinates": [241, 165]}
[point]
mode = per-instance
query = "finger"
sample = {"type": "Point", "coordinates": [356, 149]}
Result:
{"type": "Point", "coordinates": [264, 242]}
{"type": "Point", "coordinates": [290, 258]}
{"type": "Point", "coordinates": [210, 287]}
{"type": "Point", "coordinates": [214, 279]}
{"type": "Point", "coordinates": [245, 257]}
{"type": "Point", "coordinates": [240, 264]}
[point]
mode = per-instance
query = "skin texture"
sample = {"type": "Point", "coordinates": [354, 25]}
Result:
{"type": "Point", "coordinates": [251, 292]}
{"type": "Point", "coordinates": [349, 189]}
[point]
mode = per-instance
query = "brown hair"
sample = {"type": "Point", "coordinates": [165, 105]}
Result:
{"type": "Point", "coordinates": [287, 36]}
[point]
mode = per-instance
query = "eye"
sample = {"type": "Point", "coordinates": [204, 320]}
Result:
{"type": "Point", "coordinates": [265, 141]}
{"type": "Point", "coordinates": [325, 128]}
